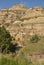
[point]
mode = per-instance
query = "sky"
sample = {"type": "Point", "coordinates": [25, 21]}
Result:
{"type": "Point", "coordinates": [28, 3]}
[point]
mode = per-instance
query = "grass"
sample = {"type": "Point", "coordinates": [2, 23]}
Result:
{"type": "Point", "coordinates": [34, 47]}
{"type": "Point", "coordinates": [20, 60]}
{"type": "Point", "coordinates": [22, 57]}
{"type": "Point", "coordinates": [12, 61]}
{"type": "Point", "coordinates": [5, 61]}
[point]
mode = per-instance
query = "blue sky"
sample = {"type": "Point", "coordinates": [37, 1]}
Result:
{"type": "Point", "coordinates": [28, 3]}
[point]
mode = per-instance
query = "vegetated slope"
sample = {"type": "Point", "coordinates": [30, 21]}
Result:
{"type": "Point", "coordinates": [23, 23]}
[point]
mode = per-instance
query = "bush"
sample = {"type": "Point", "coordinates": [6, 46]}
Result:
{"type": "Point", "coordinates": [42, 10]}
{"type": "Point", "coordinates": [34, 39]}
{"type": "Point", "coordinates": [6, 45]}
{"type": "Point", "coordinates": [5, 39]}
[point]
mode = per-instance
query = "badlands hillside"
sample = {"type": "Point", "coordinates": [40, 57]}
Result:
{"type": "Point", "coordinates": [26, 26]}
{"type": "Point", "coordinates": [22, 21]}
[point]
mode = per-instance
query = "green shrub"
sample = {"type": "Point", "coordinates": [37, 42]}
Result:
{"type": "Point", "coordinates": [6, 45]}
{"type": "Point", "coordinates": [5, 39]}
{"type": "Point", "coordinates": [34, 39]}
{"type": "Point", "coordinates": [42, 10]}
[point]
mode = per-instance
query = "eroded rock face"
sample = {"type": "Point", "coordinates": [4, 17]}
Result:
{"type": "Point", "coordinates": [21, 21]}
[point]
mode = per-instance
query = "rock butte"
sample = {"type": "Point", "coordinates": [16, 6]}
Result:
{"type": "Point", "coordinates": [20, 20]}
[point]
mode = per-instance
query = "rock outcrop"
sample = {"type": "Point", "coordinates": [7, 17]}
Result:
{"type": "Point", "coordinates": [21, 21]}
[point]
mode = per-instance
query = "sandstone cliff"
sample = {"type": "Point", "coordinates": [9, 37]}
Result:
{"type": "Point", "coordinates": [21, 21]}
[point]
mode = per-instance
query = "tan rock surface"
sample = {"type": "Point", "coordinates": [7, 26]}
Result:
{"type": "Point", "coordinates": [22, 19]}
